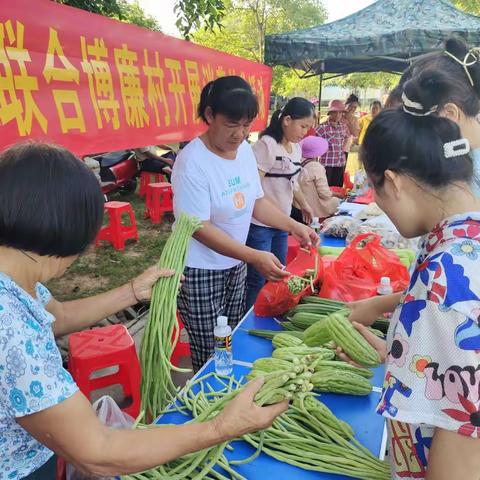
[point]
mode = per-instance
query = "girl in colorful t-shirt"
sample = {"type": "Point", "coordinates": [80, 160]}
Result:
{"type": "Point", "coordinates": [420, 169]}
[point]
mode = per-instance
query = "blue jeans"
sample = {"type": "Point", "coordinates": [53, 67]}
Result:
{"type": "Point", "coordinates": [268, 240]}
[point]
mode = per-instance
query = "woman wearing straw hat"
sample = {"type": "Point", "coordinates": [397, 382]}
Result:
{"type": "Point", "coordinates": [336, 132]}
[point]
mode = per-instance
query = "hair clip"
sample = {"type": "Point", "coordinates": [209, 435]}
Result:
{"type": "Point", "coordinates": [456, 148]}
{"type": "Point", "coordinates": [407, 104]}
{"type": "Point", "coordinates": [471, 58]}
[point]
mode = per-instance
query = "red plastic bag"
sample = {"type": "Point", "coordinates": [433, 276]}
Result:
{"type": "Point", "coordinates": [357, 271]}
{"type": "Point", "coordinates": [366, 198]}
{"type": "Point", "coordinates": [275, 299]}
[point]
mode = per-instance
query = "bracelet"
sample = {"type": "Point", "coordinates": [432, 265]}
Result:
{"type": "Point", "coordinates": [133, 291]}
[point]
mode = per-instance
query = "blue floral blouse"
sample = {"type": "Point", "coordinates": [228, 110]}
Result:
{"type": "Point", "coordinates": [32, 377]}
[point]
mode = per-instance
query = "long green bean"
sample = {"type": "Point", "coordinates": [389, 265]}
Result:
{"type": "Point", "coordinates": [162, 331]}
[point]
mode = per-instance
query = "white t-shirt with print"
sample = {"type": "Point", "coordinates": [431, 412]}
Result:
{"type": "Point", "coordinates": [218, 190]}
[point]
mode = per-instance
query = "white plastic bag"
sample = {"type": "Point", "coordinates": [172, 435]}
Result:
{"type": "Point", "coordinates": [109, 413]}
{"type": "Point", "coordinates": [339, 226]}
{"type": "Point", "coordinates": [383, 226]}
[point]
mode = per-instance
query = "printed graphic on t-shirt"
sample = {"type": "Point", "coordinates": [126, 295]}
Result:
{"type": "Point", "coordinates": [239, 200]}
{"type": "Point", "coordinates": [235, 190]}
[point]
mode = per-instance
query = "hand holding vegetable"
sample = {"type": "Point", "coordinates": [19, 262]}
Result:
{"type": "Point", "coordinates": [269, 266]}
{"type": "Point", "coordinates": [377, 343]}
{"type": "Point", "coordinates": [242, 415]}
{"type": "Point", "coordinates": [364, 311]}
{"type": "Point", "coordinates": [305, 235]}
{"type": "Point", "coordinates": [370, 309]}
{"type": "Point", "coordinates": [142, 285]}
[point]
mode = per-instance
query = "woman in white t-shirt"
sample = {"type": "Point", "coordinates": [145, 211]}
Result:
{"type": "Point", "coordinates": [279, 158]}
{"type": "Point", "coordinates": [215, 178]}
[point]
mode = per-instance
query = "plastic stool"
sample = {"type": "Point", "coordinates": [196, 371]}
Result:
{"type": "Point", "coordinates": [93, 350]}
{"type": "Point", "coordinates": [116, 232]}
{"type": "Point", "coordinates": [159, 201]}
{"type": "Point", "coordinates": [182, 348]}
{"type": "Point", "coordinates": [293, 248]}
{"type": "Point", "coordinates": [146, 179]}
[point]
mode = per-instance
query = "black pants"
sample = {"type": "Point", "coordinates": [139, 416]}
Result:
{"type": "Point", "coordinates": [335, 176]}
{"type": "Point", "coordinates": [46, 472]}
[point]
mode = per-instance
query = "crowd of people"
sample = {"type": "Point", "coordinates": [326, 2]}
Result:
{"type": "Point", "coordinates": [422, 158]}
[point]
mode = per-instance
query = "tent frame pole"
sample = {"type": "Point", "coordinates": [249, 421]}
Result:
{"type": "Point", "coordinates": [320, 87]}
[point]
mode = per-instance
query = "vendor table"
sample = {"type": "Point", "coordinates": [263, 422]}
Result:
{"type": "Point", "coordinates": [359, 412]}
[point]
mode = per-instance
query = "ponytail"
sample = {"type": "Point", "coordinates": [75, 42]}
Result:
{"type": "Point", "coordinates": [275, 129]}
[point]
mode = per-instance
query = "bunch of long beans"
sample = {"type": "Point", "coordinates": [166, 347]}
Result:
{"type": "Point", "coordinates": [303, 436]}
{"type": "Point", "coordinates": [162, 330]}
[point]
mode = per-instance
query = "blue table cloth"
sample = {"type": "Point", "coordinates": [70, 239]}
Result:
{"type": "Point", "coordinates": [359, 412]}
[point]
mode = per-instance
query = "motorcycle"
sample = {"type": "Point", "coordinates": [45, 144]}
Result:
{"type": "Point", "coordinates": [115, 171]}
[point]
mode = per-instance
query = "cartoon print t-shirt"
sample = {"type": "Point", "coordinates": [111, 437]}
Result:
{"type": "Point", "coordinates": [433, 348]}
{"type": "Point", "coordinates": [219, 190]}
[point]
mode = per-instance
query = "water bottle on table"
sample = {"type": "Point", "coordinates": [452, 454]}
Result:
{"type": "Point", "coordinates": [223, 347]}
{"type": "Point", "coordinates": [385, 288]}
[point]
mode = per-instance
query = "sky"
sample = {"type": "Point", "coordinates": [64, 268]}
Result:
{"type": "Point", "coordinates": [162, 10]}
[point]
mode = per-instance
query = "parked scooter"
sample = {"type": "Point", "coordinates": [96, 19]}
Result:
{"type": "Point", "coordinates": [115, 171]}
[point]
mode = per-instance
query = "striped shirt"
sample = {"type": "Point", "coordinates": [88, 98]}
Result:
{"type": "Point", "coordinates": [336, 135]}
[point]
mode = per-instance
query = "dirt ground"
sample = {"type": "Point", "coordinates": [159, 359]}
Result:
{"type": "Point", "coordinates": [100, 269]}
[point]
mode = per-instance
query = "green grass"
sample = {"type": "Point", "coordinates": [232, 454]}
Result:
{"type": "Point", "coordinates": [103, 268]}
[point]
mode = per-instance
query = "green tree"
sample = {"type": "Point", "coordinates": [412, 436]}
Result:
{"type": "Point", "coordinates": [469, 6]}
{"type": "Point", "coordinates": [359, 81]}
{"type": "Point", "coordinates": [126, 11]}
{"type": "Point", "coordinates": [108, 8]}
{"type": "Point", "coordinates": [196, 14]}
{"type": "Point", "coordinates": [247, 22]}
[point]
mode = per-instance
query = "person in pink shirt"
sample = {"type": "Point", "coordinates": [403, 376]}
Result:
{"type": "Point", "coordinates": [312, 180]}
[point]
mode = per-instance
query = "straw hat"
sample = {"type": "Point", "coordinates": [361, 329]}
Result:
{"type": "Point", "coordinates": [336, 106]}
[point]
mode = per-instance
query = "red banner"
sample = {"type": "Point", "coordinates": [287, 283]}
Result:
{"type": "Point", "coordinates": [94, 84]}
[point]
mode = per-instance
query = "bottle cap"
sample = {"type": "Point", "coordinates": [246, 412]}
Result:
{"type": "Point", "coordinates": [222, 321]}
{"type": "Point", "coordinates": [385, 281]}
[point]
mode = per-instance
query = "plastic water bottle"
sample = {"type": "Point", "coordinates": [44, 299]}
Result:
{"type": "Point", "coordinates": [315, 224]}
{"type": "Point", "coordinates": [385, 288]}
{"type": "Point", "coordinates": [360, 182]}
{"type": "Point", "coordinates": [223, 347]}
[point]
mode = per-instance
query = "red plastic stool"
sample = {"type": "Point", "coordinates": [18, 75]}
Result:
{"type": "Point", "coordinates": [116, 232]}
{"type": "Point", "coordinates": [146, 179]}
{"type": "Point", "coordinates": [93, 350]}
{"type": "Point", "coordinates": [293, 248]}
{"type": "Point", "coordinates": [182, 348]}
{"type": "Point", "coordinates": [159, 201]}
